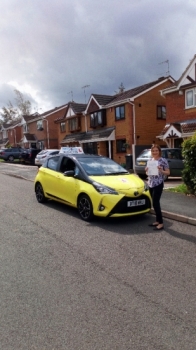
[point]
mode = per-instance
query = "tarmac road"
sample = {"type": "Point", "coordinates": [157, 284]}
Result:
{"type": "Point", "coordinates": [107, 285]}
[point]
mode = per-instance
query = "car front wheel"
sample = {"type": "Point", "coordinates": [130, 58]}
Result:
{"type": "Point", "coordinates": [11, 158]}
{"type": "Point", "coordinates": [85, 208]}
{"type": "Point", "coordinates": [39, 192]}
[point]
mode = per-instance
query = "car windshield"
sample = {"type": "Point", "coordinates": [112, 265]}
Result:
{"type": "Point", "coordinates": [101, 166]}
{"type": "Point", "coordinates": [145, 154]}
{"type": "Point", "coordinates": [42, 152]}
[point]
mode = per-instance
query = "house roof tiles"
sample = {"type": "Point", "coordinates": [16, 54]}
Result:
{"type": "Point", "coordinates": [88, 136]}
{"type": "Point", "coordinates": [184, 127]}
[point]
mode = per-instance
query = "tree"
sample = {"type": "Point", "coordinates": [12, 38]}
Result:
{"type": "Point", "coordinates": [189, 171]}
{"type": "Point", "coordinates": [9, 113]}
{"type": "Point", "coordinates": [23, 107]}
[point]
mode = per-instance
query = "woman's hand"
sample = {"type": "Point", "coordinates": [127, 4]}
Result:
{"type": "Point", "coordinates": [164, 172]}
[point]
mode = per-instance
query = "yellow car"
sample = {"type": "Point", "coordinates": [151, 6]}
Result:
{"type": "Point", "coordinates": [96, 185]}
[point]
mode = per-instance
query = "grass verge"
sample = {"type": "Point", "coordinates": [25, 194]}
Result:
{"type": "Point", "coordinates": [179, 189]}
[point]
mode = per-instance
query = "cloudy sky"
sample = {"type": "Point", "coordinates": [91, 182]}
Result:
{"type": "Point", "coordinates": [52, 49]}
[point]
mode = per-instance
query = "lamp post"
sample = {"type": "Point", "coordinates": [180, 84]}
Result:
{"type": "Point", "coordinates": [45, 120]}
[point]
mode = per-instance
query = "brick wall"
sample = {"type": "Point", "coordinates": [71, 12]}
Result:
{"type": "Point", "coordinates": [176, 108]}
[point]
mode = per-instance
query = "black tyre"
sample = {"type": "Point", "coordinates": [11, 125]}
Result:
{"type": "Point", "coordinates": [85, 208]}
{"type": "Point", "coordinates": [11, 158]}
{"type": "Point", "coordinates": [39, 192]}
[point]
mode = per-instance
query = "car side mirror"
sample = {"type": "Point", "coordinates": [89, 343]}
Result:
{"type": "Point", "coordinates": [69, 173]}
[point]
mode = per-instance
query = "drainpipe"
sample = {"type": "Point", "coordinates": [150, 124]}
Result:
{"type": "Point", "coordinates": [14, 136]}
{"type": "Point", "coordinates": [45, 120]}
{"type": "Point", "coordinates": [134, 135]}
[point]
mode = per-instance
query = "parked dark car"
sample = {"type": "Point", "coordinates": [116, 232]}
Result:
{"type": "Point", "coordinates": [9, 154]}
{"type": "Point", "coordinates": [28, 155]}
{"type": "Point", "coordinates": [173, 156]}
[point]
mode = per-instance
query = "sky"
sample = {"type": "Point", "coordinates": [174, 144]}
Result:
{"type": "Point", "coordinates": [55, 51]}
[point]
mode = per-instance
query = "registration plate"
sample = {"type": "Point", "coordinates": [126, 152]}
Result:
{"type": "Point", "coordinates": [141, 163]}
{"type": "Point", "coordinates": [135, 203]}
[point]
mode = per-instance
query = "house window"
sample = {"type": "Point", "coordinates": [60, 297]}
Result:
{"type": "Point", "coordinates": [25, 128]}
{"type": "Point", "coordinates": [120, 112]}
{"type": "Point", "coordinates": [40, 125]}
{"type": "Point", "coordinates": [4, 134]}
{"type": "Point", "coordinates": [120, 145]}
{"type": "Point", "coordinates": [161, 112]}
{"type": "Point", "coordinates": [90, 148]}
{"type": "Point", "coordinates": [62, 126]}
{"type": "Point", "coordinates": [98, 119]}
{"type": "Point", "coordinates": [74, 124]}
{"type": "Point", "coordinates": [190, 98]}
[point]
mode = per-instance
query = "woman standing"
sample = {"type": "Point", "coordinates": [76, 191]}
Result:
{"type": "Point", "coordinates": [156, 183]}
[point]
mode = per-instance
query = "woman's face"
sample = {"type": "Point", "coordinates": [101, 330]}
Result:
{"type": "Point", "coordinates": [155, 152]}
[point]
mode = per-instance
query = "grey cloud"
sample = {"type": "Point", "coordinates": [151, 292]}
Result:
{"type": "Point", "coordinates": [59, 46]}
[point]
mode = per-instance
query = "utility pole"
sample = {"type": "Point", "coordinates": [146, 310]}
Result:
{"type": "Point", "coordinates": [84, 87]}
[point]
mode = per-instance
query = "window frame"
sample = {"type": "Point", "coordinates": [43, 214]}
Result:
{"type": "Point", "coordinates": [40, 124]}
{"type": "Point", "coordinates": [98, 118]}
{"type": "Point", "coordinates": [63, 126]}
{"type": "Point", "coordinates": [120, 146]}
{"type": "Point", "coordinates": [193, 91]}
{"type": "Point", "coordinates": [72, 126]}
{"type": "Point", "coordinates": [119, 115]}
{"type": "Point", "coordinates": [161, 112]}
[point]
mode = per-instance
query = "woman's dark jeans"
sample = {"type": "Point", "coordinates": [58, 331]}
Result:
{"type": "Point", "coordinates": [156, 196]}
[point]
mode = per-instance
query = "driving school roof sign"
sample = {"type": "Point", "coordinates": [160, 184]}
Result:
{"type": "Point", "coordinates": [71, 150]}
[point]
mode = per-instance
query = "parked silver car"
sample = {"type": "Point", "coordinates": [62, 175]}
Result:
{"type": "Point", "coordinates": [44, 154]}
{"type": "Point", "coordinates": [173, 156]}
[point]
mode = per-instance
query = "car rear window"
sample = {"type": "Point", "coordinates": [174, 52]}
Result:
{"type": "Point", "coordinates": [145, 154]}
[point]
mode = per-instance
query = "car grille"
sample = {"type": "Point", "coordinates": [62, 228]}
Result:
{"type": "Point", "coordinates": [122, 208]}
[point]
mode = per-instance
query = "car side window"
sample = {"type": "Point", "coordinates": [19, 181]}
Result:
{"type": "Point", "coordinates": [174, 154]}
{"type": "Point", "coordinates": [52, 163]}
{"type": "Point", "coordinates": [67, 164]}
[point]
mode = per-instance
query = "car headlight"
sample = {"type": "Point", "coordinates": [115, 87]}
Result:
{"type": "Point", "coordinates": [146, 187]}
{"type": "Point", "coordinates": [103, 189]}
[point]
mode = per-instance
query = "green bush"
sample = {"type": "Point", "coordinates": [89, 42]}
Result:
{"type": "Point", "coordinates": [189, 171]}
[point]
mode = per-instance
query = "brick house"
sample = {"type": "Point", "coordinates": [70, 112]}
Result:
{"type": "Point", "coordinates": [39, 130]}
{"type": "Point", "coordinates": [10, 134]}
{"type": "Point", "coordinates": [71, 124]}
{"type": "Point", "coordinates": [111, 125]}
{"type": "Point", "coordinates": [180, 101]}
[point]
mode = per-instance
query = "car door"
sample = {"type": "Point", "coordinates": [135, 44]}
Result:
{"type": "Point", "coordinates": [174, 158]}
{"type": "Point", "coordinates": [50, 177]}
{"type": "Point", "coordinates": [67, 185]}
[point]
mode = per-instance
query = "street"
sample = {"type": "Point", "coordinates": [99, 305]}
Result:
{"type": "Point", "coordinates": [113, 284]}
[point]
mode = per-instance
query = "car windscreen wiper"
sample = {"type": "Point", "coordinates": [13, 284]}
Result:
{"type": "Point", "coordinates": [118, 173]}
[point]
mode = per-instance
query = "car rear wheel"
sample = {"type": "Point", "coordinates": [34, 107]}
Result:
{"type": "Point", "coordinates": [85, 208]}
{"type": "Point", "coordinates": [39, 192]}
{"type": "Point", "coordinates": [11, 158]}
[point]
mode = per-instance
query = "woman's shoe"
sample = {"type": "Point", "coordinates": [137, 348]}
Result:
{"type": "Point", "coordinates": [154, 225]}
{"type": "Point", "coordinates": [158, 228]}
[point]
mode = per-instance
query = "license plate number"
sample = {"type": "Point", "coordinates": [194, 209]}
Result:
{"type": "Point", "coordinates": [136, 203]}
{"type": "Point", "coordinates": [141, 163]}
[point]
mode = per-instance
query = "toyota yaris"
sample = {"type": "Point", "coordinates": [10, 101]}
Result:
{"type": "Point", "coordinates": [95, 185]}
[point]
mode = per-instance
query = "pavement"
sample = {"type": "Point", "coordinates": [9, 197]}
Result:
{"type": "Point", "coordinates": [175, 206]}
